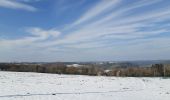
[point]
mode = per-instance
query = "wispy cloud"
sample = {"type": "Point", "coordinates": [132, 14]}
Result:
{"type": "Point", "coordinates": [109, 28]}
{"type": "Point", "coordinates": [117, 23]}
{"type": "Point", "coordinates": [37, 35]}
{"type": "Point", "coordinates": [123, 27]}
{"type": "Point", "coordinates": [99, 8]}
{"type": "Point", "coordinates": [12, 4]}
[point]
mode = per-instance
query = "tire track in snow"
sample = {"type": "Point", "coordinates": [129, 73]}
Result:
{"type": "Point", "coordinates": [65, 93]}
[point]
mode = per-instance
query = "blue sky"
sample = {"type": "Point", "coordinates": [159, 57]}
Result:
{"type": "Point", "coordinates": [84, 30]}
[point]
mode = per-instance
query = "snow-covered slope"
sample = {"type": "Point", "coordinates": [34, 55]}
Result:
{"type": "Point", "coordinates": [38, 86]}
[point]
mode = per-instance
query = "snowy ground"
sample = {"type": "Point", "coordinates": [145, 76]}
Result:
{"type": "Point", "coordinates": [38, 86]}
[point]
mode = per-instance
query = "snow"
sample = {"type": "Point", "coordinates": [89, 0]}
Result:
{"type": "Point", "coordinates": [74, 65]}
{"type": "Point", "coordinates": [39, 86]}
{"type": "Point", "coordinates": [106, 71]}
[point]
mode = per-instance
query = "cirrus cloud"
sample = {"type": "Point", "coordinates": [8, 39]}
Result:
{"type": "Point", "coordinates": [16, 5]}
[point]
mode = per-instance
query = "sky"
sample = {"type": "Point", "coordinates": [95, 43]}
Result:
{"type": "Point", "coordinates": [84, 30]}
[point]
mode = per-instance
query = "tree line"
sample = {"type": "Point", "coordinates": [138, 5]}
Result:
{"type": "Point", "coordinates": [156, 70]}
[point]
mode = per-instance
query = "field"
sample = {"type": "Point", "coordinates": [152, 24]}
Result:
{"type": "Point", "coordinates": [39, 86]}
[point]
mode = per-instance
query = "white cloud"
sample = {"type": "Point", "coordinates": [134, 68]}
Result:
{"type": "Point", "coordinates": [99, 8]}
{"type": "Point", "coordinates": [38, 35]}
{"type": "Point", "coordinates": [121, 27]}
{"type": "Point", "coordinates": [118, 33]}
{"type": "Point", "coordinates": [43, 33]}
{"type": "Point", "coordinates": [16, 5]}
{"type": "Point", "coordinates": [95, 35]}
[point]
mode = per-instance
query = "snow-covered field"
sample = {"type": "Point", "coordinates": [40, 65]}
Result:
{"type": "Point", "coordinates": [38, 86]}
